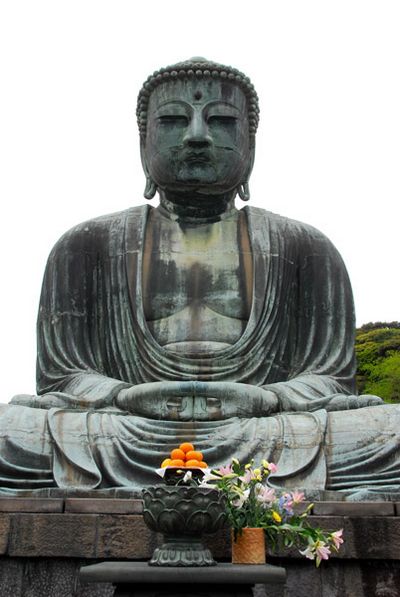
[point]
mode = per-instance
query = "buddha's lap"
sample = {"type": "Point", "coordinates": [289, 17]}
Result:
{"type": "Point", "coordinates": [30, 428]}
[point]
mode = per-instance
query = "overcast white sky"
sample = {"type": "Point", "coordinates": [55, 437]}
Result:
{"type": "Point", "coordinates": [328, 148]}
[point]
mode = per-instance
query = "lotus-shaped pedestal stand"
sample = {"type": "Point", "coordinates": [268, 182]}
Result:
{"type": "Point", "coordinates": [183, 514]}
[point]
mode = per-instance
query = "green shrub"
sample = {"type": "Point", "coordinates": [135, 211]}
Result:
{"type": "Point", "coordinates": [378, 359]}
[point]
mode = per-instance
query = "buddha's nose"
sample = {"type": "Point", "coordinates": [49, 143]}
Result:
{"type": "Point", "coordinates": [197, 134]}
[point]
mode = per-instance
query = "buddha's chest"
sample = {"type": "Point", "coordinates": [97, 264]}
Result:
{"type": "Point", "coordinates": [197, 282]}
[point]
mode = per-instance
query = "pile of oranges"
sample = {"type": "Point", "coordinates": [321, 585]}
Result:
{"type": "Point", "coordinates": [186, 457]}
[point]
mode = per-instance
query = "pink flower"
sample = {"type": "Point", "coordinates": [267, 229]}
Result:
{"type": "Point", "coordinates": [322, 551]}
{"type": "Point", "coordinates": [272, 467]}
{"type": "Point", "coordinates": [247, 477]}
{"type": "Point", "coordinates": [266, 495]}
{"type": "Point", "coordinates": [287, 501]}
{"type": "Point", "coordinates": [297, 497]}
{"type": "Point", "coordinates": [225, 470]}
{"type": "Point", "coordinates": [337, 539]}
{"type": "Point", "coordinates": [317, 550]}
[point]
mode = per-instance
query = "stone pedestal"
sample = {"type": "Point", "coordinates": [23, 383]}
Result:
{"type": "Point", "coordinates": [44, 543]}
{"type": "Point", "coordinates": [138, 579]}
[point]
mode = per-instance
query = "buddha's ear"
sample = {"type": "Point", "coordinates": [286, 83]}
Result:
{"type": "Point", "coordinates": [243, 188]}
{"type": "Point", "coordinates": [151, 187]}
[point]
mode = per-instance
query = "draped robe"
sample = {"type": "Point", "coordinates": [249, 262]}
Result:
{"type": "Point", "coordinates": [93, 340]}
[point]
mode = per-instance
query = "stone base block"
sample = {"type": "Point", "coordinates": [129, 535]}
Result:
{"type": "Point", "coordinates": [43, 546]}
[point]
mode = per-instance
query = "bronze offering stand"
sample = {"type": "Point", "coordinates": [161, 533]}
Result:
{"type": "Point", "coordinates": [183, 513]}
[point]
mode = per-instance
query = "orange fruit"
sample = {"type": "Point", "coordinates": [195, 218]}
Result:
{"type": "Point", "coordinates": [166, 462]}
{"type": "Point", "coordinates": [194, 455]}
{"type": "Point", "coordinates": [192, 463]}
{"type": "Point", "coordinates": [186, 447]}
{"type": "Point", "coordinates": [176, 462]}
{"type": "Point", "coordinates": [178, 454]}
{"type": "Point", "coordinates": [202, 464]}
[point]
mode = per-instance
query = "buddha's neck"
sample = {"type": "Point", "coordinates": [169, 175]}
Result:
{"type": "Point", "coordinates": [196, 208]}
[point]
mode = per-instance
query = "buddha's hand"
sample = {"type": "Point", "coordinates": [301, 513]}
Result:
{"type": "Point", "coordinates": [214, 401]}
{"type": "Point", "coordinates": [168, 400]}
{"type": "Point", "coordinates": [343, 402]}
{"type": "Point", "coordinates": [197, 401]}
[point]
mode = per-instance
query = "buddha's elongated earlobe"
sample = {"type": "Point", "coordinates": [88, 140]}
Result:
{"type": "Point", "coordinates": [150, 188]}
{"type": "Point", "coordinates": [244, 191]}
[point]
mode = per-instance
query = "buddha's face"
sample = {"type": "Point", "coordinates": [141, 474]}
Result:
{"type": "Point", "coordinates": [197, 136]}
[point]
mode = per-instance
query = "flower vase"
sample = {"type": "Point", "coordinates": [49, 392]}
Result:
{"type": "Point", "coordinates": [249, 547]}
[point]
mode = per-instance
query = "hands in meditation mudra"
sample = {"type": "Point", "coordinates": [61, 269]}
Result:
{"type": "Point", "coordinates": [195, 321]}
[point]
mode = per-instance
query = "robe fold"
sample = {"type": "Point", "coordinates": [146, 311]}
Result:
{"type": "Point", "coordinates": [93, 337]}
{"type": "Point", "coordinates": [93, 340]}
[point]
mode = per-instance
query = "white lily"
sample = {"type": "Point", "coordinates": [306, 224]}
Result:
{"type": "Point", "coordinates": [187, 477]}
{"type": "Point", "coordinates": [209, 476]}
{"type": "Point", "coordinates": [241, 499]}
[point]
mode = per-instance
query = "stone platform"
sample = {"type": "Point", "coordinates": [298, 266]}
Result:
{"type": "Point", "coordinates": [45, 541]}
{"type": "Point", "coordinates": [138, 579]}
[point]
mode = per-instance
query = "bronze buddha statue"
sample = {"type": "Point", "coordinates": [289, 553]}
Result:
{"type": "Point", "coordinates": [193, 320]}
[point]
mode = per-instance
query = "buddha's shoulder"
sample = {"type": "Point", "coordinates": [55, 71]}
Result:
{"type": "Point", "coordinates": [93, 233]}
{"type": "Point", "coordinates": [291, 229]}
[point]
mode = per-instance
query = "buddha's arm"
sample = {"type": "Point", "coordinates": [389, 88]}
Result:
{"type": "Point", "coordinates": [322, 365]}
{"type": "Point", "coordinates": [72, 354]}
{"type": "Point", "coordinates": [313, 392]}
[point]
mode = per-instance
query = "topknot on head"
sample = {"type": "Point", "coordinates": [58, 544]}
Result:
{"type": "Point", "coordinates": [200, 68]}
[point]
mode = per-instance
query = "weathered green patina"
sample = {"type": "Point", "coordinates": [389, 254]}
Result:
{"type": "Point", "coordinates": [197, 321]}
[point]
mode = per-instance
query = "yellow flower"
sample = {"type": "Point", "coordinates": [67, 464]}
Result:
{"type": "Point", "coordinates": [276, 516]}
{"type": "Point", "coordinates": [257, 474]}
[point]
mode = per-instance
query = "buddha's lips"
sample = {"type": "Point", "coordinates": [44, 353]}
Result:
{"type": "Point", "coordinates": [197, 158]}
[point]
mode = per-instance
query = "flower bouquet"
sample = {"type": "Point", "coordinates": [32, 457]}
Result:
{"type": "Point", "coordinates": [250, 503]}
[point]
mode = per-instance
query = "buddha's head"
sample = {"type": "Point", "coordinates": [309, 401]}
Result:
{"type": "Point", "coordinates": [197, 122]}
